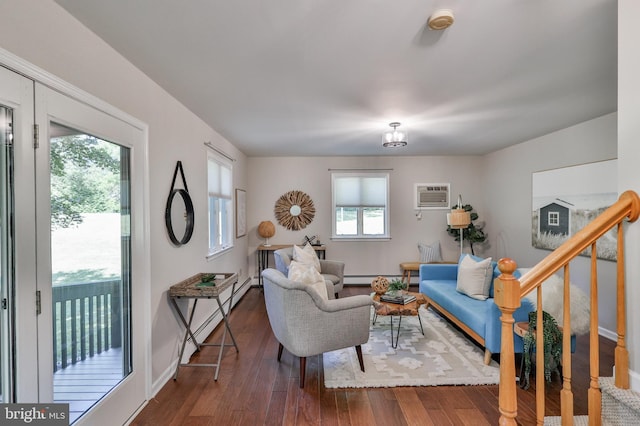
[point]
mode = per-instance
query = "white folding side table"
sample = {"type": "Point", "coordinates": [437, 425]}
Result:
{"type": "Point", "coordinates": [193, 288]}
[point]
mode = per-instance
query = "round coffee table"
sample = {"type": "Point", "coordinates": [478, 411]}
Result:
{"type": "Point", "coordinates": [399, 310]}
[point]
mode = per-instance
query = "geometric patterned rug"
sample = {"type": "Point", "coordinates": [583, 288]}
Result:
{"type": "Point", "coordinates": [443, 356]}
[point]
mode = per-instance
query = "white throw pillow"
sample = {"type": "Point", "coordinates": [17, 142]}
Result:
{"type": "Point", "coordinates": [474, 278]}
{"type": "Point", "coordinates": [306, 273]}
{"type": "Point", "coordinates": [430, 252]}
{"type": "Point", "coordinates": [306, 254]}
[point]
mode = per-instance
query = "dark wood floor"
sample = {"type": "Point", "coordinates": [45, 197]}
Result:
{"type": "Point", "coordinates": [254, 388]}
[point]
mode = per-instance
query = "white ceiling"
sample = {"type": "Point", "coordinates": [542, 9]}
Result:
{"type": "Point", "coordinates": [325, 77]}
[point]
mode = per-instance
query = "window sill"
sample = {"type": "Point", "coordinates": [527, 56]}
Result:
{"type": "Point", "coordinates": [218, 253]}
{"type": "Point", "coordinates": [361, 239]}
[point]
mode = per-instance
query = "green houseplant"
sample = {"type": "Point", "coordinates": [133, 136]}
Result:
{"type": "Point", "coordinates": [473, 233]}
{"type": "Point", "coordinates": [552, 346]}
{"type": "Point", "coordinates": [397, 285]}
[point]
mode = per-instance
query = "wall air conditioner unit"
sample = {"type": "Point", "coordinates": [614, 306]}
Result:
{"type": "Point", "coordinates": [432, 196]}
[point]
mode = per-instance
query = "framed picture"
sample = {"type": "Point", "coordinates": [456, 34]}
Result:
{"type": "Point", "coordinates": [241, 213]}
{"type": "Point", "coordinates": [565, 200]}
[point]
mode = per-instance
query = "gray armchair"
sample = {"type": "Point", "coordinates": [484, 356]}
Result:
{"type": "Point", "coordinates": [331, 270]}
{"type": "Point", "coordinates": [306, 324]}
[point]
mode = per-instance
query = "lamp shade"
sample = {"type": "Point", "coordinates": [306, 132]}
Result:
{"type": "Point", "coordinates": [266, 229]}
{"type": "Point", "coordinates": [458, 219]}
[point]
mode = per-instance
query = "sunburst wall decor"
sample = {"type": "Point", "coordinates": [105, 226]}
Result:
{"type": "Point", "coordinates": [294, 210]}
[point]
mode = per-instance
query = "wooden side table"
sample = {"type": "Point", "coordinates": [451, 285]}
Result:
{"type": "Point", "coordinates": [192, 288]}
{"type": "Point", "coordinates": [407, 268]}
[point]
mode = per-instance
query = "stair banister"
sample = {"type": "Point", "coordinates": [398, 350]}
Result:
{"type": "Point", "coordinates": [509, 291]}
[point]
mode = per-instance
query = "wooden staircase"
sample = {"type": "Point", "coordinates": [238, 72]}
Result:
{"type": "Point", "coordinates": [509, 291]}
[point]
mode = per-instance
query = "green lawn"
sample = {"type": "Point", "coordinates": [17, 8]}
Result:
{"type": "Point", "coordinates": [90, 251]}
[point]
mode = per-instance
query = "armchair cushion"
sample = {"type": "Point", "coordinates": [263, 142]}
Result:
{"type": "Point", "coordinates": [307, 274]}
{"type": "Point", "coordinates": [306, 254]}
{"type": "Point", "coordinates": [331, 270]}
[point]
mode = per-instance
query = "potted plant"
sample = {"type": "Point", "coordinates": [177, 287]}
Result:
{"type": "Point", "coordinates": [552, 346]}
{"type": "Point", "coordinates": [473, 233]}
{"type": "Point", "coordinates": [397, 285]}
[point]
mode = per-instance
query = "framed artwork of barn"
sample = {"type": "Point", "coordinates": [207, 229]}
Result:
{"type": "Point", "coordinates": [564, 200]}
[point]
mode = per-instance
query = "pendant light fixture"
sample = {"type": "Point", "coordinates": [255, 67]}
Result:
{"type": "Point", "coordinates": [394, 138]}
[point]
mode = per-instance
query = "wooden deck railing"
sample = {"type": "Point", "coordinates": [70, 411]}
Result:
{"type": "Point", "coordinates": [86, 321]}
{"type": "Point", "coordinates": [509, 291]}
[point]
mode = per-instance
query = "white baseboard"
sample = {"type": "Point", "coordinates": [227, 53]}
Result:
{"type": "Point", "coordinates": [366, 279]}
{"type": "Point", "coordinates": [611, 335]}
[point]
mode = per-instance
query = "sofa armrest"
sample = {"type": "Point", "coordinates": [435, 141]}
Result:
{"type": "Point", "coordinates": [438, 271]}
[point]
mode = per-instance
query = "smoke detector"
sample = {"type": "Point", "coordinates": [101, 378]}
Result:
{"type": "Point", "coordinates": [440, 19]}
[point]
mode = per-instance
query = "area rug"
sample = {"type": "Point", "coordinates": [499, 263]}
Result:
{"type": "Point", "coordinates": [443, 356]}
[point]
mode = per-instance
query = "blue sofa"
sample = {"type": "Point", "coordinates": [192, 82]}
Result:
{"type": "Point", "coordinates": [480, 319]}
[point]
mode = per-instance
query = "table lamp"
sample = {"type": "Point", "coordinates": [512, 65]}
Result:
{"type": "Point", "coordinates": [266, 229]}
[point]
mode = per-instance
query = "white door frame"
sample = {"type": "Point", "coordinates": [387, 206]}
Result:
{"type": "Point", "coordinates": [52, 93]}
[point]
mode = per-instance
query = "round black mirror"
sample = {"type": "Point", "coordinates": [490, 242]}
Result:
{"type": "Point", "coordinates": [180, 213]}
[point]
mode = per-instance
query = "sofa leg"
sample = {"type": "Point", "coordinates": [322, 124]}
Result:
{"type": "Point", "coordinates": [487, 357]}
{"type": "Point", "coordinates": [360, 360]}
{"type": "Point", "coordinates": [303, 366]}
{"type": "Point", "coordinates": [280, 347]}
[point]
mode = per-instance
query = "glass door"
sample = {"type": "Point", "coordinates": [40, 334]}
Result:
{"type": "Point", "coordinates": [18, 375]}
{"type": "Point", "coordinates": [6, 251]}
{"type": "Point", "coordinates": [90, 330]}
{"type": "Point", "coordinates": [90, 266]}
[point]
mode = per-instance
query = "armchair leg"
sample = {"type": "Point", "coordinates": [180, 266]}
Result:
{"type": "Point", "coordinates": [360, 360]}
{"type": "Point", "coordinates": [303, 366]}
{"type": "Point", "coordinates": [280, 347]}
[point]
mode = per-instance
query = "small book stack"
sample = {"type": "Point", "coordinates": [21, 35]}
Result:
{"type": "Point", "coordinates": [401, 299]}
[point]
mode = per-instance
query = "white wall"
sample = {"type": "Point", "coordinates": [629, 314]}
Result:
{"type": "Point", "coordinates": [44, 34]}
{"type": "Point", "coordinates": [507, 183]}
{"type": "Point", "coordinates": [628, 170]}
{"type": "Point", "coordinates": [271, 177]}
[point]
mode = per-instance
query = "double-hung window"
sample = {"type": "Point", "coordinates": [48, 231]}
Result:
{"type": "Point", "coordinates": [220, 178]}
{"type": "Point", "coordinates": [360, 205]}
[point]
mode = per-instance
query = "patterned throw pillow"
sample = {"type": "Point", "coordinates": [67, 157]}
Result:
{"type": "Point", "coordinates": [474, 278]}
{"type": "Point", "coordinates": [306, 255]}
{"type": "Point", "coordinates": [430, 252]}
{"type": "Point", "coordinates": [306, 273]}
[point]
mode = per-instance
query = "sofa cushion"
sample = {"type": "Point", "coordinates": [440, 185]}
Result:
{"type": "Point", "coordinates": [471, 312]}
{"type": "Point", "coordinates": [430, 252]}
{"type": "Point", "coordinates": [475, 277]}
{"type": "Point", "coordinates": [306, 273]}
{"type": "Point", "coordinates": [306, 254]}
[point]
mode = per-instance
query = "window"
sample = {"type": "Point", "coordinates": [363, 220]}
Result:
{"type": "Point", "coordinates": [554, 219]}
{"type": "Point", "coordinates": [360, 205]}
{"type": "Point", "coordinates": [220, 204]}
